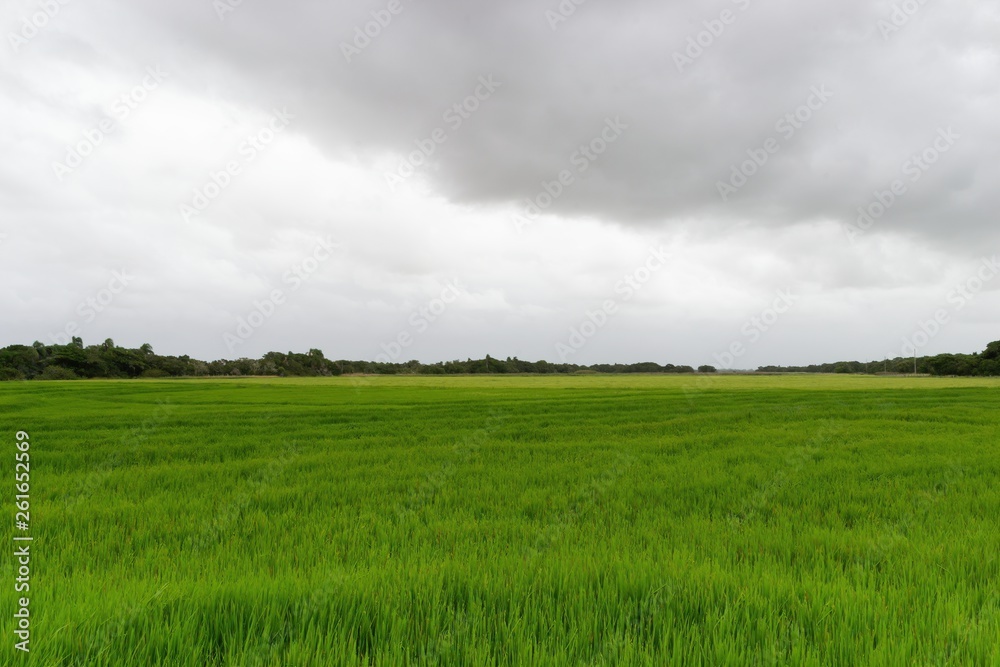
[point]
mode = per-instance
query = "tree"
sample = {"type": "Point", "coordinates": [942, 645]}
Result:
{"type": "Point", "coordinates": [57, 373]}
{"type": "Point", "coordinates": [707, 369]}
{"type": "Point", "coordinates": [21, 360]}
{"type": "Point", "coordinates": [146, 349]}
{"type": "Point", "coordinates": [108, 344]}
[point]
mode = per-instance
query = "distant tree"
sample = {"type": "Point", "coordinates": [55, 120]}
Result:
{"type": "Point", "coordinates": [130, 363]}
{"type": "Point", "coordinates": [57, 373]}
{"type": "Point", "coordinates": [7, 373]}
{"type": "Point", "coordinates": [73, 357]}
{"type": "Point", "coordinates": [21, 360]}
{"type": "Point", "coordinates": [108, 360]}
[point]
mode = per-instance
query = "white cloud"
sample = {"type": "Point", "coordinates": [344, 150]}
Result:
{"type": "Point", "coordinates": [324, 175]}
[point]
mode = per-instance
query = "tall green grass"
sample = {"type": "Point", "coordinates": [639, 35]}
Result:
{"type": "Point", "coordinates": [510, 521]}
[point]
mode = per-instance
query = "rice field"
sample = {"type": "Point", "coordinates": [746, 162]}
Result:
{"type": "Point", "coordinates": [585, 520]}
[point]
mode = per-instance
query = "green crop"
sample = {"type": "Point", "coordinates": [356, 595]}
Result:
{"type": "Point", "coordinates": [586, 520]}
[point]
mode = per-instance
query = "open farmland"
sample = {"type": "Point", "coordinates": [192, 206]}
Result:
{"type": "Point", "coordinates": [585, 520]}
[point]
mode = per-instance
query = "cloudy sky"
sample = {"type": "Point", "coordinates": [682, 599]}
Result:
{"type": "Point", "coordinates": [583, 181]}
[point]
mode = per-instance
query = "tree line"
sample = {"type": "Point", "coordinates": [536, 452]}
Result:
{"type": "Point", "coordinates": [986, 363]}
{"type": "Point", "coordinates": [107, 360]}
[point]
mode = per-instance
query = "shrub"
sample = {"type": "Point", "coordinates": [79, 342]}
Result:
{"type": "Point", "coordinates": [57, 373]}
{"type": "Point", "coordinates": [7, 374]}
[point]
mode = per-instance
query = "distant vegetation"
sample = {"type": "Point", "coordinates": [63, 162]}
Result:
{"type": "Point", "coordinates": [107, 360]}
{"type": "Point", "coordinates": [987, 363]}
{"type": "Point", "coordinates": [66, 362]}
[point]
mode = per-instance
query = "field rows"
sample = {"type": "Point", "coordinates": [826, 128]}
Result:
{"type": "Point", "coordinates": [511, 521]}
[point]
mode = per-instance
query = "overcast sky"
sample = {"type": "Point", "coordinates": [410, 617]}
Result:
{"type": "Point", "coordinates": [597, 182]}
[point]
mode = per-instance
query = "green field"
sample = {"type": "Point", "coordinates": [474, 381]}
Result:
{"type": "Point", "coordinates": [589, 520]}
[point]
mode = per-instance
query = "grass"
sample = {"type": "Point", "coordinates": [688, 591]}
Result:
{"type": "Point", "coordinates": [595, 520]}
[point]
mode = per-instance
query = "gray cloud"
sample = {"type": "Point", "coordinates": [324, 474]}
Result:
{"type": "Point", "coordinates": [686, 130]}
